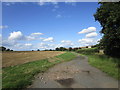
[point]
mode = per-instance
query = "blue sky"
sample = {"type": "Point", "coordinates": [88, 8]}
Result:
{"type": "Point", "coordinates": [33, 25]}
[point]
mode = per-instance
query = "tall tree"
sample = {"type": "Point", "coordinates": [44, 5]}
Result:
{"type": "Point", "coordinates": [57, 49]}
{"type": "Point", "coordinates": [2, 48]}
{"type": "Point", "coordinates": [38, 50]}
{"type": "Point", "coordinates": [70, 48]}
{"type": "Point", "coordinates": [8, 49]}
{"type": "Point", "coordinates": [108, 14]}
{"type": "Point", "coordinates": [61, 48]}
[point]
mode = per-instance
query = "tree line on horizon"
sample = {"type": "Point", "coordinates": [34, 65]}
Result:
{"type": "Point", "coordinates": [60, 49]}
{"type": "Point", "coordinates": [2, 48]}
{"type": "Point", "coordinates": [68, 49]}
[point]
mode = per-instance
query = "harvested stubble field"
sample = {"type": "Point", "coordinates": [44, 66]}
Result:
{"type": "Point", "coordinates": [21, 57]}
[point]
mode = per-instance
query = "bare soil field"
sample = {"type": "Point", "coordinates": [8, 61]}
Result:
{"type": "Point", "coordinates": [21, 57]}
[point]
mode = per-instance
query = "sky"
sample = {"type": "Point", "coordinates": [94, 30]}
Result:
{"type": "Point", "coordinates": [47, 25]}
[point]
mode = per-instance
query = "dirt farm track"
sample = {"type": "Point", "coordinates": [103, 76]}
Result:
{"type": "Point", "coordinates": [21, 57]}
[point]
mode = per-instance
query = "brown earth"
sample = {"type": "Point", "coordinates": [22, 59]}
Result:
{"type": "Point", "coordinates": [21, 57]}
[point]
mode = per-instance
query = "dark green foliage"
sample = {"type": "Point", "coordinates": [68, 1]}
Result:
{"type": "Point", "coordinates": [75, 49]}
{"type": "Point", "coordinates": [97, 45]}
{"type": "Point", "coordinates": [38, 50]}
{"type": "Point", "coordinates": [4, 49]}
{"type": "Point", "coordinates": [87, 51]}
{"type": "Point", "coordinates": [70, 49]}
{"type": "Point", "coordinates": [103, 62]}
{"type": "Point", "coordinates": [109, 17]}
{"type": "Point", "coordinates": [8, 50]}
{"type": "Point", "coordinates": [57, 49]}
{"type": "Point", "coordinates": [48, 50]}
{"type": "Point", "coordinates": [66, 49]}
{"type": "Point", "coordinates": [61, 49]}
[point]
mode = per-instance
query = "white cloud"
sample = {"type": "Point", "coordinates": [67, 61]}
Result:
{"type": "Point", "coordinates": [19, 36]}
{"type": "Point", "coordinates": [50, 39]}
{"type": "Point", "coordinates": [87, 41]}
{"type": "Point", "coordinates": [93, 34]}
{"type": "Point", "coordinates": [28, 44]}
{"type": "Point", "coordinates": [0, 36]}
{"type": "Point", "coordinates": [16, 45]}
{"type": "Point", "coordinates": [33, 36]}
{"type": "Point", "coordinates": [45, 46]}
{"type": "Point", "coordinates": [16, 40]}
{"type": "Point", "coordinates": [3, 27]}
{"type": "Point", "coordinates": [88, 30]}
{"type": "Point", "coordinates": [58, 16]}
{"type": "Point", "coordinates": [8, 43]}
{"type": "Point", "coordinates": [22, 46]}
{"type": "Point", "coordinates": [55, 3]}
{"type": "Point", "coordinates": [41, 3]}
{"type": "Point", "coordinates": [65, 43]}
{"type": "Point", "coordinates": [41, 0]}
{"type": "Point", "coordinates": [16, 36]}
{"type": "Point", "coordinates": [29, 38]}
{"type": "Point", "coordinates": [41, 38]}
{"type": "Point", "coordinates": [70, 3]}
{"type": "Point", "coordinates": [36, 34]}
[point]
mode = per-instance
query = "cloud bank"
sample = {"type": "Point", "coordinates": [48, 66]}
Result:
{"type": "Point", "coordinates": [89, 38]}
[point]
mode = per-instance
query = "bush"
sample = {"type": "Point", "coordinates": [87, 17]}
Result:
{"type": "Point", "coordinates": [88, 50]}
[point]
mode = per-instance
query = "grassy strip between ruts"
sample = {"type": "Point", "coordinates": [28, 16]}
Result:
{"type": "Point", "coordinates": [21, 76]}
{"type": "Point", "coordinates": [105, 63]}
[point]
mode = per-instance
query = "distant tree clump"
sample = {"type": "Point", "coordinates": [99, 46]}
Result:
{"type": "Point", "coordinates": [66, 49]}
{"type": "Point", "coordinates": [75, 49]}
{"type": "Point", "coordinates": [38, 50]}
{"type": "Point", "coordinates": [70, 49]}
{"type": "Point", "coordinates": [8, 49]}
{"type": "Point", "coordinates": [4, 49]}
{"type": "Point", "coordinates": [50, 50]}
{"type": "Point", "coordinates": [60, 49]}
{"type": "Point", "coordinates": [108, 14]}
{"type": "Point", "coordinates": [57, 49]}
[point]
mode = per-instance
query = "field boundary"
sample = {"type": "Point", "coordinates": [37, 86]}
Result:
{"type": "Point", "coordinates": [21, 76]}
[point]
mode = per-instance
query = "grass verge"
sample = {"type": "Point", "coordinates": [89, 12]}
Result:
{"type": "Point", "coordinates": [21, 76]}
{"type": "Point", "coordinates": [105, 63]}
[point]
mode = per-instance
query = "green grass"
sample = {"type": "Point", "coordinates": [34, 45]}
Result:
{"type": "Point", "coordinates": [87, 50]}
{"type": "Point", "coordinates": [67, 56]}
{"type": "Point", "coordinates": [21, 76]}
{"type": "Point", "coordinates": [105, 63]}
